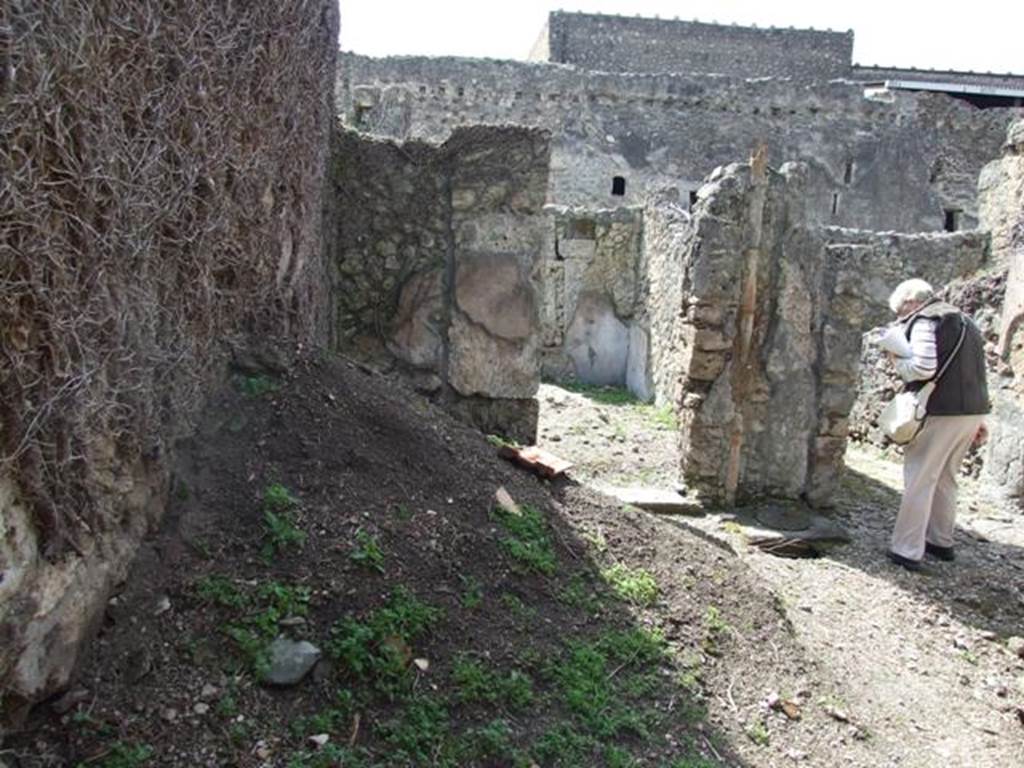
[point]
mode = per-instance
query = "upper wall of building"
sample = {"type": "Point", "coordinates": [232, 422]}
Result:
{"type": "Point", "coordinates": [909, 163]}
{"type": "Point", "coordinates": [633, 44]}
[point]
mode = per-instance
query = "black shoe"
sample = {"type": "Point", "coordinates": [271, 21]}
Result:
{"type": "Point", "coordinates": [905, 562]}
{"type": "Point", "coordinates": [940, 553]}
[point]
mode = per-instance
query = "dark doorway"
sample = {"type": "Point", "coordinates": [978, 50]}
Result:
{"type": "Point", "coordinates": [952, 223]}
{"type": "Point", "coordinates": [618, 186]}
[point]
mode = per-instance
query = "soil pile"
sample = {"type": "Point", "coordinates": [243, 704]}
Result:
{"type": "Point", "coordinates": [331, 505]}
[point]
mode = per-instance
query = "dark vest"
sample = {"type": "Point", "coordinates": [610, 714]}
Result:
{"type": "Point", "coordinates": [963, 388]}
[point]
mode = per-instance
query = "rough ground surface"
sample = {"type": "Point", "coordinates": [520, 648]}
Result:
{"type": "Point", "coordinates": [531, 656]}
{"type": "Point", "coordinates": [452, 635]}
{"type": "Point", "coordinates": [920, 661]}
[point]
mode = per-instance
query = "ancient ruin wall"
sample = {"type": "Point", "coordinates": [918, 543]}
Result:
{"type": "Point", "coordinates": [1001, 189]}
{"type": "Point", "coordinates": [891, 166]}
{"type": "Point", "coordinates": [663, 313]}
{"type": "Point", "coordinates": [438, 250]}
{"type": "Point", "coordinates": [1001, 199]}
{"type": "Point", "coordinates": [590, 290]}
{"type": "Point", "coordinates": [769, 364]}
{"type": "Point", "coordinates": [624, 44]}
{"type": "Point", "coordinates": [161, 175]}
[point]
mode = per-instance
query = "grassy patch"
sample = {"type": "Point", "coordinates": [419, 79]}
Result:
{"type": "Point", "coordinates": [379, 648]}
{"type": "Point", "coordinates": [261, 611]}
{"type": "Point", "coordinates": [603, 395]}
{"type": "Point", "coordinates": [476, 682]}
{"type": "Point", "coordinates": [605, 684]}
{"type": "Point", "coordinates": [661, 417]}
{"type": "Point", "coordinates": [634, 585]}
{"type": "Point", "coordinates": [577, 594]}
{"type": "Point", "coordinates": [527, 541]}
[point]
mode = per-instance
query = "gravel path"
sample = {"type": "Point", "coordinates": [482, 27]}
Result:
{"type": "Point", "coordinates": [926, 662]}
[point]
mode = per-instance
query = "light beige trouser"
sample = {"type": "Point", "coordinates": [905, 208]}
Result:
{"type": "Point", "coordinates": [930, 466]}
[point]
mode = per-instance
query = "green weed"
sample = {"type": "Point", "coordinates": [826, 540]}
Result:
{"type": "Point", "coordinates": [515, 606]}
{"type": "Point", "coordinates": [367, 552]}
{"type": "Point", "coordinates": [420, 735]}
{"type": "Point", "coordinates": [125, 755]}
{"type": "Point", "coordinates": [476, 683]}
{"type": "Point", "coordinates": [377, 648]}
{"type": "Point", "coordinates": [493, 743]}
{"type": "Point", "coordinates": [528, 542]}
{"type": "Point", "coordinates": [331, 756]}
{"type": "Point", "coordinates": [634, 585]}
{"type": "Point", "coordinates": [499, 441]}
{"type": "Point", "coordinates": [714, 622]}
{"type": "Point", "coordinates": [577, 594]}
{"type": "Point", "coordinates": [255, 386]}
{"type": "Point", "coordinates": [253, 634]}
{"type": "Point", "coordinates": [472, 592]}
{"type": "Point", "coordinates": [758, 733]}
{"type": "Point", "coordinates": [280, 530]}
{"type": "Point", "coordinates": [221, 591]}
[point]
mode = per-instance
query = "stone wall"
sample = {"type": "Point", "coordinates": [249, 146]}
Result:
{"type": "Point", "coordinates": [590, 289]}
{"type": "Point", "coordinates": [634, 44]}
{"type": "Point", "coordinates": [162, 170]}
{"type": "Point", "coordinates": [438, 250]}
{"type": "Point", "coordinates": [1001, 200]}
{"type": "Point", "coordinates": [770, 352]}
{"type": "Point", "coordinates": [1001, 189]}
{"type": "Point", "coordinates": [896, 165]}
{"type": "Point", "coordinates": [663, 314]}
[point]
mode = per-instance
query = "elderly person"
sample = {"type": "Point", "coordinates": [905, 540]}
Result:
{"type": "Point", "coordinates": [955, 419]}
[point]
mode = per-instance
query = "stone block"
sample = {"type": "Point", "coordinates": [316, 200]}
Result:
{"type": "Point", "coordinates": [492, 291]}
{"type": "Point", "coordinates": [705, 365]}
{"type": "Point", "coordinates": [512, 418]}
{"type": "Point", "coordinates": [418, 328]}
{"type": "Point", "coordinates": [486, 365]}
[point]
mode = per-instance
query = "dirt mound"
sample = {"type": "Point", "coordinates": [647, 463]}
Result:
{"type": "Point", "coordinates": [333, 506]}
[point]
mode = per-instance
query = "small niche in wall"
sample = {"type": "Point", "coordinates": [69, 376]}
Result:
{"type": "Point", "coordinates": [693, 198]}
{"type": "Point", "coordinates": [835, 203]}
{"type": "Point", "coordinates": [952, 219]}
{"type": "Point", "coordinates": [582, 229]}
{"type": "Point", "coordinates": [848, 176]}
{"type": "Point", "coordinates": [618, 186]}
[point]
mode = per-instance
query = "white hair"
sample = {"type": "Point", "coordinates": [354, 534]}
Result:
{"type": "Point", "coordinates": [914, 289]}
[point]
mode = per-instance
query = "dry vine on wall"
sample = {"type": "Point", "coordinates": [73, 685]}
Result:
{"type": "Point", "coordinates": [160, 179]}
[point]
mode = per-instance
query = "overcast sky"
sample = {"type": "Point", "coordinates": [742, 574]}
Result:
{"type": "Point", "coordinates": [982, 35]}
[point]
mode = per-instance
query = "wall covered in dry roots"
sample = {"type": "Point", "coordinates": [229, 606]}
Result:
{"type": "Point", "coordinates": [161, 168]}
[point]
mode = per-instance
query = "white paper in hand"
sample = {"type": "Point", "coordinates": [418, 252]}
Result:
{"type": "Point", "coordinates": [894, 341]}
